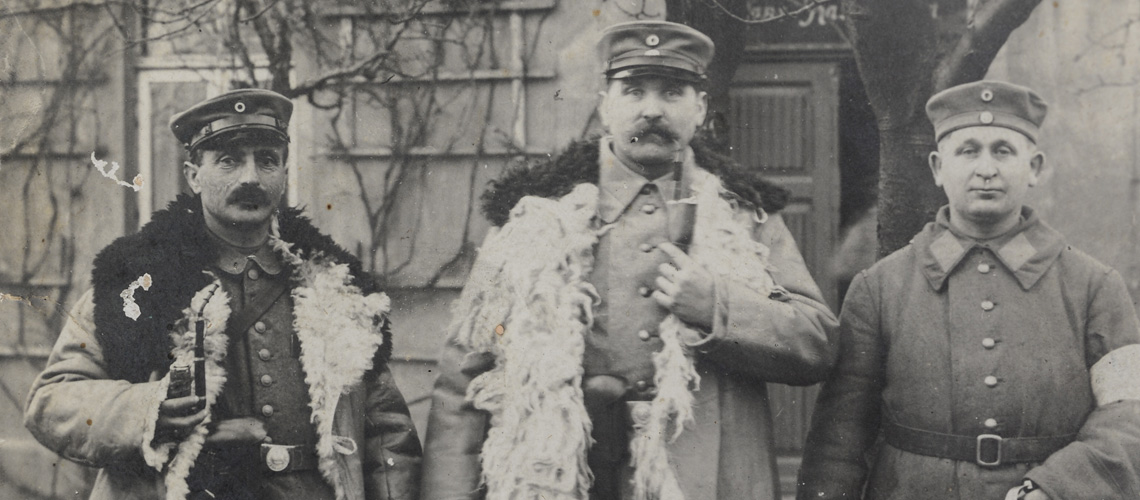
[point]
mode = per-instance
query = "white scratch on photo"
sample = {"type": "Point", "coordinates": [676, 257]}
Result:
{"type": "Point", "coordinates": [130, 308]}
{"type": "Point", "coordinates": [135, 184]}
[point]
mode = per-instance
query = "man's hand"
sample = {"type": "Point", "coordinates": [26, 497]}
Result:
{"type": "Point", "coordinates": [177, 417]}
{"type": "Point", "coordinates": [685, 288]}
{"type": "Point", "coordinates": [235, 431]}
{"type": "Point", "coordinates": [1036, 495]}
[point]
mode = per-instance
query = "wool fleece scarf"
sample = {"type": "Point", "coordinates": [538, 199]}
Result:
{"type": "Point", "coordinates": [528, 304]}
{"type": "Point", "coordinates": [338, 316]}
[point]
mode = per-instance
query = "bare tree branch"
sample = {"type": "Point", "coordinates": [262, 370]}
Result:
{"type": "Point", "coordinates": [988, 25]}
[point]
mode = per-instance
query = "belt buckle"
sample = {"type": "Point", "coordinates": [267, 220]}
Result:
{"type": "Point", "coordinates": [978, 455]}
{"type": "Point", "coordinates": [276, 456]}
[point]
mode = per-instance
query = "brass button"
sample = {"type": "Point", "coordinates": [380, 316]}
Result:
{"type": "Point", "coordinates": [987, 305]}
{"type": "Point", "coordinates": [264, 354]}
{"type": "Point", "coordinates": [266, 380]}
{"type": "Point", "coordinates": [390, 462]}
{"type": "Point", "coordinates": [644, 291]}
{"type": "Point", "coordinates": [649, 208]}
{"type": "Point", "coordinates": [645, 247]}
{"type": "Point", "coordinates": [643, 335]}
{"type": "Point", "coordinates": [253, 274]}
{"type": "Point", "coordinates": [641, 385]}
{"type": "Point", "coordinates": [988, 343]}
{"type": "Point", "coordinates": [991, 381]}
{"type": "Point", "coordinates": [990, 423]}
{"type": "Point", "coordinates": [260, 327]}
{"type": "Point", "coordinates": [267, 410]}
{"type": "Point", "coordinates": [983, 268]}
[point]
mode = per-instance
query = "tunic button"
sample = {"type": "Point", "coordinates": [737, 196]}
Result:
{"type": "Point", "coordinates": [644, 291]}
{"type": "Point", "coordinates": [266, 380]}
{"type": "Point", "coordinates": [991, 381]}
{"type": "Point", "coordinates": [253, 274]}
{"type": "Point", "coordinates": [645, 247]}
{"type": "Point", "coordinates": [264, 354]}
{"type": "Point", "coordinates": [983, 268]}
{"type": "Point", "coordinates": [988, 343]}
{"type": "Point", "coordinates": [641, 385]}
{"type": "Point", "coordinates": [259, 326]}
{"type": "Point", "coordinates": [987, 305]}
{"type": "Point", "coordinates": [990, 423]}
{"type": "Point", "coordinates": [649, 208]}
{"type": "Point", "coordinates": [267, 410]}
{"type": "Point", "coordinates": [643, 335]}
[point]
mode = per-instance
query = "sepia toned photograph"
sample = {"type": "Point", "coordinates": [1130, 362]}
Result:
{"type": "Point", "coordinates": [570, 249]}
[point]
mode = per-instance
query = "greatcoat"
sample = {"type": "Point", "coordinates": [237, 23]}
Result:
{"type": "Point", "coordinates": [782, 337]}
{"type": "Point", "coordinates": [1019, 336]}
{"type": "Point", "coordinates": [96, 402]}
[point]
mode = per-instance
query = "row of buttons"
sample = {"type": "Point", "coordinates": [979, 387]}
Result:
{"type": "Point", "coordinates": [263, 354]}
{"type": "Point", "coordinates": [988, 343]}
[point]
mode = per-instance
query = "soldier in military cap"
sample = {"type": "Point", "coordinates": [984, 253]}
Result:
{"type": "Point", "coordinates": [987, 359]}
{"type": "Point", "coordinates": [253, 363]}
{"type": "Point", "coordinates": [623, 275]}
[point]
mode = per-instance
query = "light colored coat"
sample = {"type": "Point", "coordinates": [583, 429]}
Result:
{"type": "Point", "coordinates": [785, 337]}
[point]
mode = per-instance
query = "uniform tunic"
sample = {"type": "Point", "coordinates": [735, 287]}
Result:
{"type": "Point", "coordinates": [966, 337]}
{"type": "Point", "coordinates": [266, 381]}
{"type": "Point", "coordinates": [728, 452]}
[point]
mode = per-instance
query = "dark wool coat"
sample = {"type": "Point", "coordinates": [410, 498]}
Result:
{"type": "Point", "coordinates": [175, 249]}
{"type": "Point", "coordinates": [97, 400]}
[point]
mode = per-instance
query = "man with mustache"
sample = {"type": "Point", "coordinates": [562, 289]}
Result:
{"type": "Point", "coordinates": [625, 274]}
{"type": "Point", "coordinates": [988, 359]}
{"type": "Point", "coordinates": [285, 338]}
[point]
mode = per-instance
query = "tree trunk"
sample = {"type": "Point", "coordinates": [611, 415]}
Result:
{"type": "Point", "coordinates": [907, 51]}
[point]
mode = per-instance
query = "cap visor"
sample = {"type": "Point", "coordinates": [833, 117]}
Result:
{"type": "Point", "coordinates": [658, 71]}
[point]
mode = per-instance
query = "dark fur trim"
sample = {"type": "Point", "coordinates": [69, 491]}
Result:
{"type": "Point", "coordinates": [579, 163]}
{"type": "Point", "coordinates": [176, 250]}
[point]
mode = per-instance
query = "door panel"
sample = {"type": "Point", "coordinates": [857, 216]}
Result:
{"type": "Point", "coordinates": [783, 122]}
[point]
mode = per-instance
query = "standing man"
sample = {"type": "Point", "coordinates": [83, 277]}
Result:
{"type": "Point", "coordinates": [297, 399]}
{"type": "Point", "coordinates": [599, 307]}
{"type": "Point", "coordinates": [991, 358]}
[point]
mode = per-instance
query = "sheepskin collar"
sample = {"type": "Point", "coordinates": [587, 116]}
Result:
{"type": "Point", "coordinates": [175, 250]}
{"type": "Point", "coordinates": [556, 177]}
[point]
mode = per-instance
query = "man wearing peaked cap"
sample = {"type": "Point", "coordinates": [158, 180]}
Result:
{"type": "Point", "coordinates": [624, 274]}
{"type": "Point", "coordinates": [988, 359]}
{"type": "Point", "coordinates": [297, 402]}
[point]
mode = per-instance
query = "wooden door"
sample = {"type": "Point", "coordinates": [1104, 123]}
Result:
{"type": "Point", "coordinates": [783, 121]}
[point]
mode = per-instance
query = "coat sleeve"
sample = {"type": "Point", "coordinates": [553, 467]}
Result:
{"type": "Point", "coordinates": [788, 337]}
{"type": "Point", "coordinates": [393, 459]}
{"type": "Point", "coordinates": [1104, 460]}
{"type": "Point", "coordinates": [74, 407]}
{"type": "Point", "coordinates": [845, 423]}
{"type": "Point", "coordinates": [456, 429]}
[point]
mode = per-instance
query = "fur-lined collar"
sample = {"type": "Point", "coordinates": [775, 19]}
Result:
{"type": "Point", "coordinates": [175, 250]}
{"type": "Point", "coordinates": [578, 164]}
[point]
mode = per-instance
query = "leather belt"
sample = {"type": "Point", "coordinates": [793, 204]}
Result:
{"type": "Point", "coordinates": [987, 450]}
{"type": "Point", "coordinates": [288, 458]}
